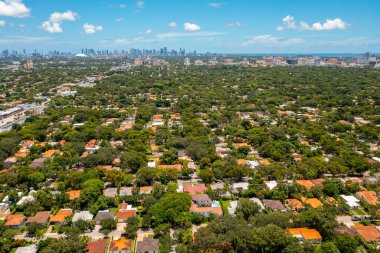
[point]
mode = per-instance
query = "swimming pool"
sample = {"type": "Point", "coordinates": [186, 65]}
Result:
{"type": "Point", "coordinates": [215, 204]}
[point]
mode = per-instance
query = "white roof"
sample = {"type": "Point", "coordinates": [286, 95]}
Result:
{"type": "Point", "coordinates": [257, 201]}
{"type": "Point", "coordinates": [350, 200]}
{"type": "Point", "coordinates": [152, 164]}
{"type": "Point", "coordinates": [271, 184]}
{"type": "Point", "coordinates": [29, 249]}
{"type": "Point", "coordinates": [84, 215]}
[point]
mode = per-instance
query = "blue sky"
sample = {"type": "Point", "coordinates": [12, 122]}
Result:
{"type": "Point", "coordinates": [225, 26]}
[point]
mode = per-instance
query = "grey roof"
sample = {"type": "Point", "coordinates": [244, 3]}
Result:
{"type": "Point", "coordinates": [102, 215]}
{"type": "Point", "coordinates": [38, 163]}
{"type": "Point", "coordinates": [200, 197]}
{"type": "Point", "coordinates": [148, 244]}
{"type": "Point", "coordinates": [110, 192]}
{"type": "Point", "coordinates": [274, 205]}
{"type": "Point", "coordinates": [126, 191]}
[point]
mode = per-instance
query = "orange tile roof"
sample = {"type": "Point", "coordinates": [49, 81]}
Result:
{"type": "Point", "coordinates": [241, 161]}
{"type": "Point", "coordinates": [313, 202]}
{"type": "Point", "coordinates": [98, 246]}
{"type": "Point", "coordinates": [368, 196]}
{"type": "Point", "coordinates": [165, 166]}
{"type": "Point", "coordinates": [74, 194]}
{"type": "Point", "coordinates": [61, 215]}
{"type": "Point", "coordinates": [318, 181]}
{"type": "Point", "coordinates": [307, 233]}
{"type": "Point", "coordinates": [154, 148]}
{"type": "Point", "coordinates": [264, 162]}
{"type": "Point", "coordinates": [206, 209]}
{"type": "Point", "coordinates": [125, 214]}
{"type": "Point", "coordinates": [294, 204]}
{"type": "Point", "coordinates": [368, 233]}
{"type": "Point", "coordinates": [121, 245]}
{"type": "Point", "coordinates": [15, 220]}
{"type": "Point", "coordinates": [306, 183]}
{"type": "Point", "coordinates": [238, 145]}
{"type": "Point", "coordinates": [50, 152]}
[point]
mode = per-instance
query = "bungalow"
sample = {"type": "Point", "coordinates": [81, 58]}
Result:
{"type": "Point", "coordinates": [206, 210]}
{"type": "Point", "coordinates": [25, 199]}
{"type": "Point", "coordinates": [41, 218]}
{"type": "Point", "coordinates": [145, 190]}
{"type": "Point", "coordinates": [37, 163]}
{"type": "Point", "coordinates": [217, 186]}
{"type": "Point", "coordinates": [369, 197]}
{"type": "Point", "coordinates": [126, 191]}
{"type": "Point", "coordinates": [104, 215]}
{"type": "Point", "coordinates": [294, 205]}
{"type": "Point", "coordinates": [270, 185]}
{"type": "Point", "coordinates": [258, 202]}
{"type": "Point", "coordinates": [313, 202]}
{"type": "Point", "coordinates": [27, 249]}
{"type": "Point", "coordinates": [9, 162]}
{"type": "Point", "coordinates": [61, 217]}
{"type": "Point", "coordinates": [91, 146]}
{"type": "Point", "coordinates": [194, 189]}
{"type": "Point", "coordinates": [232, 207]}
{"type": "Point", "coordinates": [110, 192]}
{"type": "Point", "coordinates": [305, 183]}
{"type": "Point", "coordinates": [148, 245]}
{"type": "Point", "coordinates": [50, 153]}
{"type": "Point", "coordinates": [201, 199]}
{"type": "Point", "coordinates": [239, 187]}
{"type": "Point", "coordinates": [274, 205]}
{"type": "Point", "coordinates": [83, 215]}
{"type": "Point", "coordinates": [351, 201]}
{"type": "Point", "coordinates": [73, 194]}
{"type": "Point", "coordinates": [368, 233]}
{"type": "Point", "coordinates": [15, 221]}
{"type": "Point", "coordinates": [4, 211]}
{"type": "Point", "coordinates": [125, 212]}
{"type": "Point", "coordinates": [177, 167]}
{"type": "Point", "coordinates": [98, 246]}
{"type": "Point", "coordinates": [306, 234]}
{"type": "Point", "coordinates": [122, 245]}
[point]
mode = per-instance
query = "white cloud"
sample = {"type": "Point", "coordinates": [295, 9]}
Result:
{"type": "Point", "coordinates": [184, 34]}
{"type": "Point", "coordinates": [122, 6]}
{"type": "Point", "coordinates": [91, 29]}
{"type": "Point", "coordinates": [191, 27]}
{"type": "Point", "coordinates": [172, 25]}
{"type": "Point", "coordinates": [140, 4]}
{"type": "Point", "coordinates": [22, 40]}
{"type": "Point", "coordinates": [270, 40]}
{"type": "Point", "coordinates": [2, 23]}
{"type": "Point", "coordinates": [216, 5]}
{"type": "Point", "coordinates": [53, 25]}
{"type": "Point", "coordinates": [148, 31]}
{"type": "Point", "coordinates": [330, 24]}
{"type": "Point", "coordinates": [119, 19]}
{"type": "Point", "coordinates": [236, 24]}
{"type": "Point", "coordinates": [14, 8]}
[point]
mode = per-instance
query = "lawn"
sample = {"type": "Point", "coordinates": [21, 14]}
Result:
{"type": "Point", "coordinates": [225, 204]}
{"type": "Point", "coordinates": [358, 212]}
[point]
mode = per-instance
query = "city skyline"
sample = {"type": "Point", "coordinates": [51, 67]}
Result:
{"type": "Point", "coordinates": [241, 27]}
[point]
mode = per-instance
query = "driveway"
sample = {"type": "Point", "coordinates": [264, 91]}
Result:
{"type": "Point", "coordinates": [346, 220]}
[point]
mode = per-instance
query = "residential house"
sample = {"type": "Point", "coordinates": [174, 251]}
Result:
{"type": "Point", "coordinates": [313, 202]}
{"type": "Point", "coordinates": [61, 217]}
{"type": "Point", "coordinates": [27, 249]}
{"type": "Point", "coordinates": [145, 190]}
{"type": "Point", "coordinates": [37, 163]}
{"type": "Point", "coordinates": [50, 153]}
{"type": "Point", "coordinates": [126, 191]}
{"type": "Point", "coordinates": [274, 205]}
{"type": "Point", "coordinates": [91, 146]}
{"type": "Point", "coordinates": [83, 215]}
{"type": "Point", "coordinates": [351, 201]}
{"type": "Point", "coordinates": [148, 245]}
{"type": "Point", "coordinates": [305, 183]}
{"type": "Point", "coordinates": [369, 197]}
{"type": "Point", "coordinates": [306, 234]}
{"type": "Point", "coordinates": [125, 212]}
{"type": "Point", "coordinates": [122, 245]}
{"type": "Point", "coordinates": [217, 186]}
{"type": "Point", "coordinates": [110, 192]}
{"type": "Point", "coordinates": [368, 233]}
{"type": "Point", "coordinates": [41, 218]}
{"type": "Point", "coordinates": [103, 215]}
{"type": "Point", "coordinates": [294, 205]}
{"type": "Point", "coordinates": [270, 185]}
{"type": "Point", "coordinates": [232, 207]}
{"type": "Point", "coordinates": [25, 199]}
{"type": "Point", "coordinates": [194, 189]}
{"type": "Point", "coordinates": [15, 221]}
{"type": "Point", "coordinates": [177, 167]}
{"type": "Point", "coordinates": [239, 187]}
{"type": "Point", "coordinates": [258, 202]}
{"type": "Point", "coordinates": [73, 194]}
{"type": "Point", "coordinates": [4, 211]}
{"type": "Point", "coordinates": [9, 162]}
{"type": "Point", "coordinates": [98, 246]}
{"type": "Point", "coordinates": [201, 199]}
